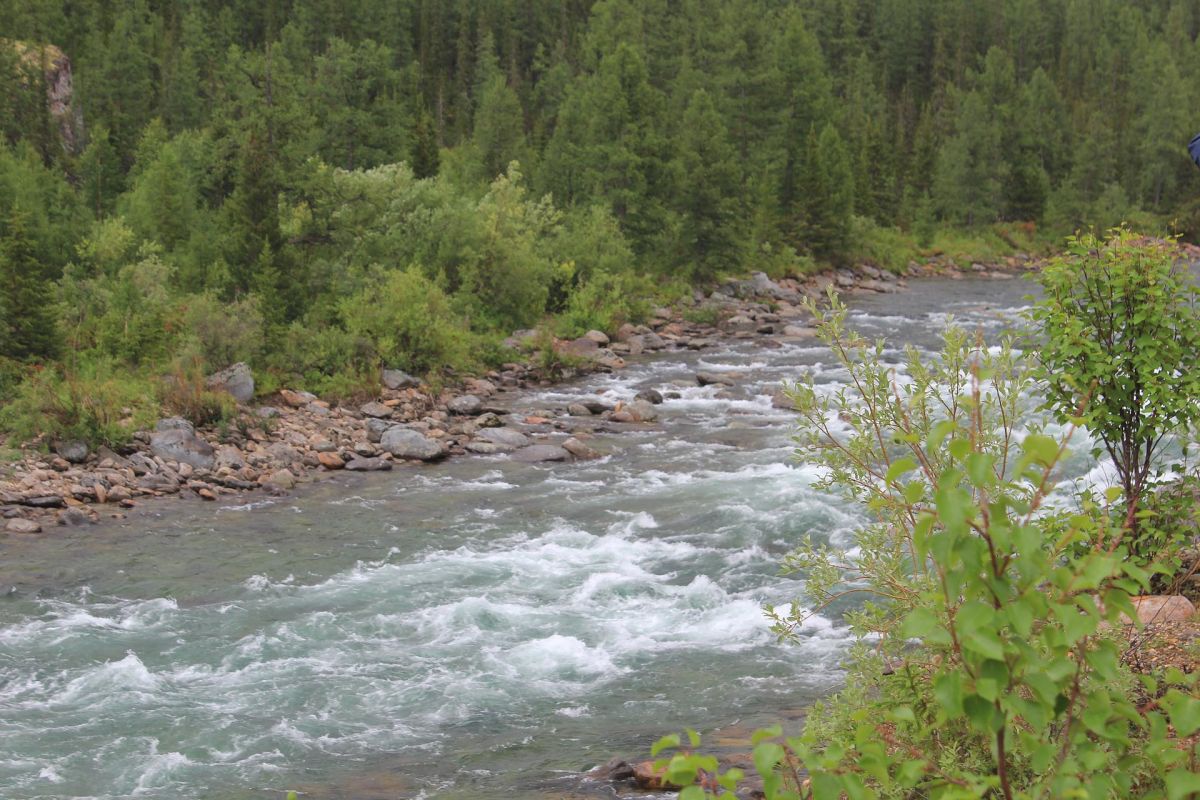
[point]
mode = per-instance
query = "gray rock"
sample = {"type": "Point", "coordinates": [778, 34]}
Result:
{"type": "Point", "coordinates": [372, 464]}
{"type": "Point", "coordinates": [599, 337]}
{"type": "Point", "coordinates": [579, 449]}
{"type": "Point", "coordinates": [376, 410]}
{"type": "Point", "coordinates": [182, 446]}
{"type": "Point", "coordinates": [710, 378]}
{"type": "Point", "coordinates": [596, 407]}
{"type": "Point", "coordinates": [489, 419]}
{"type": "Point", "coordinates": [488, 448]}
{"type": "Point", "coordinates": [74, 451]}
{"type": "Point", "coordinates": [237, 380]}
{"type": "Point", "coordinates": [175, 424]}
{"type": "Point", "coordinates": [376, 429]}
{"type": "Point", "coordinates": [398, 379]}
{"type": "Point", "coordinates": [44, 501]}
{"type": "Point", "coordinates": [282, 479]}
{"type": "Point", "coordinates": [282, 452]}
{"type": "Point", "coordinates": [644, 409]}
{"type": "Point", "coordinates": [465, 405]}
{"type": "Point", "coordinates": [267, 412]}
{"type": "Point", "coordinates": [506, 437]}
{"type": "Point", "coordinates": [652, 396]}
{"type": "Point", "coordinates": [407, 443]}
{"type": "Point", "coordinates": [230, 456]}
{"type": "Point", "coordinates": [20, 525]}
{"type": "Point", "coordinates": [322, 445]}
{"type": "Point", "coordinates": [578, 410]}
{"type": "Point", "coordinates": [537, 453]}
{"type": "Point", "coordinates": [74, 517]}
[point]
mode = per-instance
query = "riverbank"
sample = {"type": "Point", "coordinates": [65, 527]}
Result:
{"type": "Point", "coordinates": [295, 437]}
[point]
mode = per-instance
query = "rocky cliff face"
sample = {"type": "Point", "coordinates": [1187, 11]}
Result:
{"type": "Point", "coordinates": [55, 66]}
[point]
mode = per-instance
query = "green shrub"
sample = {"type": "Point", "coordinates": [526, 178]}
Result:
{"type": "Point", "coordinates": [605, 302]}
{"type": "Point", "coordinates": [1120, 329]}
{"type": "Point", "coordinates": [223, 333]}
{"type": "Point", "coordinates": [992, 670]}
{"type": "Point", "coordinates": [97, 403]}
{"type": "Point", "coordinates": [408, 323]}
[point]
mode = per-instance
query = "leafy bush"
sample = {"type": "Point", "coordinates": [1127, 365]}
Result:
{"type": "Point", "coordinates": [223, 333]}
{"type": "Point", "coordinates": [408, 323]}
{"type": "Point", "coordinates": [1120, 333]}
{"type": "Point", "coordinates": [605, 302]}
{"type": "Point", "coordinates": [97, 403]}
{"type": "Point", "coordinates": [992, 671]}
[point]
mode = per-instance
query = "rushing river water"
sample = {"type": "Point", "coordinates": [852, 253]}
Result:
{"type": "Point", "coordinates": [480, 628]}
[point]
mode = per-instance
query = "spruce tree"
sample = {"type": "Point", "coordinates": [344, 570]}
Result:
{"type": "Point", "coordinates": [28, 327]}
{"type": "Point", "coordinates": [425, 154]}
{"type": "Point", "coordinates": [706, 164]}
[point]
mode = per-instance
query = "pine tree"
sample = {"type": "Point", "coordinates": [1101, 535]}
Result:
{"type": "Point", "coordinates": [706, 164]}
{"type": "Point", "coordinates": [425, 154]}
{"type": "Point", "coordinates": [499, 127]}
{"type": "Point", "coordinates": [828, 197]}
{"type": "Point", "coordinates": [28, 327]}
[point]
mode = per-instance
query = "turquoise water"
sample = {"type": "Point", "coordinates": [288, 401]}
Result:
{"type": "Point", "coordinates": [479, 628]}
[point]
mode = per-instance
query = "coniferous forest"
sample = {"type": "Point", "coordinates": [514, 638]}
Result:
{"type": "Point", "coordinates": [322, 187]}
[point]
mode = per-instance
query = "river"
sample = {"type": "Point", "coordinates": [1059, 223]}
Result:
{"type": "Point", "coordinates": [479, 628]}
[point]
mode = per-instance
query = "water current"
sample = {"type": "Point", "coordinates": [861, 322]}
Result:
{"type": "Point", "coordinates": [478, 628]}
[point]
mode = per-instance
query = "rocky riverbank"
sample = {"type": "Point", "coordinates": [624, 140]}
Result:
{"type": "Point", "coordinates": [295, 437]}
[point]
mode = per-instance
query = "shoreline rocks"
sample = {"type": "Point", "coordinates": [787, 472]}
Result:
{"type": "Point", "coordinates": [295, 436]}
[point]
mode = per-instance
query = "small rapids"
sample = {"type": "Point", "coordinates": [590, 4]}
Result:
{"type": "Point", "coordinates": [476, 628]}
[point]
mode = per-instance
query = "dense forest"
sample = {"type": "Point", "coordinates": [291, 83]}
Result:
{"type": "Point", "coordinates": [318, 187]}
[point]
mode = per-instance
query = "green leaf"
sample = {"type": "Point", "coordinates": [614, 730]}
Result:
{"type": "Point", "coordinates": [670, 740]}
{"type": "Point", "coordinates": [767, 756]}
{"type": "Point", "coordinates": [900, 466]}
{"type": "Point", "coordinates": [1184, 711]}
{"type": "Point", "coordinates": [692, 793]}
{"type": "Point", "coordinates": [693, 738]}
{"type": "Point", "coordinates": [1182, 784]}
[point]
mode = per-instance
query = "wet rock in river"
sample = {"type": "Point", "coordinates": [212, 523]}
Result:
{"type": "Point", "coordinates": [536, 453]}
{"type": "Point", "coordinates": [579, 449]}
{"type": "Point", "coordinates": [407, 443]}
{"type": "Point", "coordinates": [710, 378]}
{"type": "Point", "coordinates": [368, 464]}
{"type": "Point", "coordinates": [579, 410]}
{"type": "Point", "coordinates": [22, 525]}
{"type": "Point", "coordinates": [652, 396]}
{"type": "Point", "coordinates": [498, 440]}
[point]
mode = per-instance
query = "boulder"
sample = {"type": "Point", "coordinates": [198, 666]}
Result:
{"type": "Point", "coordinates": [467, 405]}
{"type": "Point", "coordinates": [174, 424]}
{"type": "Point", "coordinates": [296, 399]}
{"type": "Point", "coordinates": [399, 379]}
{"type": "Point", "coordinates": [331, 461]}
{"type": "Point", "coordinates": [616, 769]}
{"type": "Point", "coordinates": [376, 428]}
{"type": "Point", "coordinates": [504, 438]}
{"type": "Point", "coordinates": [489, 419]}
{"type": "Point", "coordinates": [647, 776]}
{"type": "Point", "coordinates": [182, 446]}
{"type": "Point", "coordinates": [652, 396]}
{"type": "Point", "coordinates": [578, 410]}
{"type": "Point", "coordinates": [282, 479]}
{"type": "Point", "coordinates": [368, 464]}
{"type": "Point", "coordinates": [782, 400]}
{"type": "Point", "coordinates": [407, 443]}
{"type": "Point", "coordinates": [1163, 608]}
{"type": "Point", "coordinates": [320, 444]}
{"type": "Point", "coordinates": [44, 501]}
{"type": "Point", "coordinates": [536, 453]}
{"type": "Point", "coordinates": [710, 378]}
{"type": "Point", "coordinates": [236, 380]}
{"type": "Point", "coordinates": [596, 407]}
{"type": "Point", "coordinates": [579, 449]}
{"type": "Point", "coordinates": [267, 412]}
{"type": "Point", "coordinates": [73, 517]}
{"type": "Point", "coordinates": [375, 410]}
{"type": "Point", "coordinates": [599, 337]}
{"type": "Point", "coordinates": [21, 525]}
{"type": "Point", "coordinates": [72, 450]}
{"type": "Point", "coordinates": [607, 358]}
